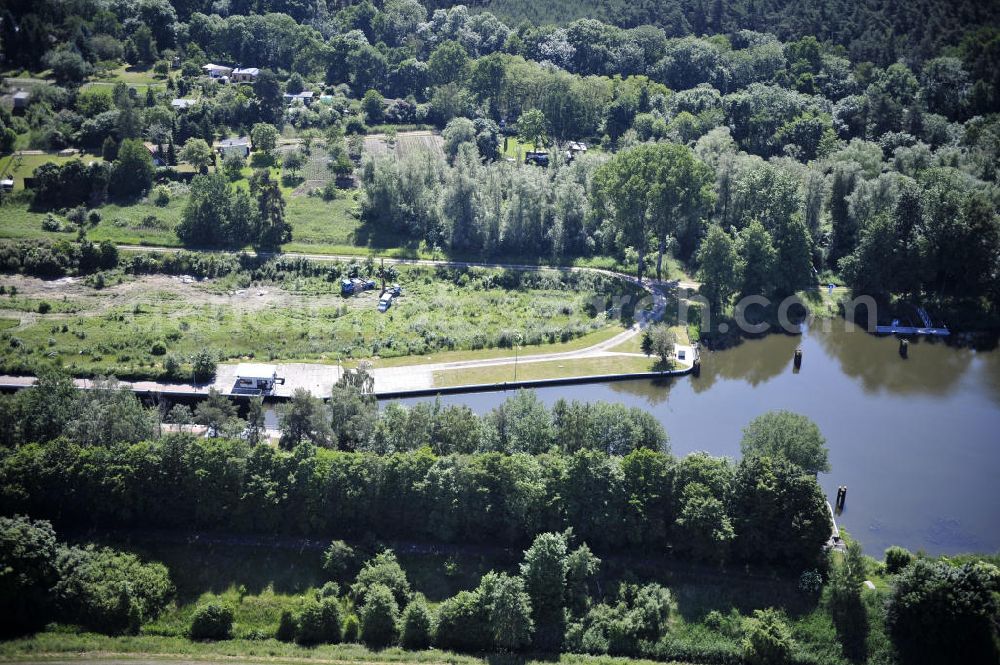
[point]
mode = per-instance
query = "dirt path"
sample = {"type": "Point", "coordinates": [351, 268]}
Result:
{"type": "Point", "coordinates": [421, 377]}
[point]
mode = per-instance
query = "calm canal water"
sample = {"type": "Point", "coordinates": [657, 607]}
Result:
{"type": "Point", "coordinates": [916, 441]}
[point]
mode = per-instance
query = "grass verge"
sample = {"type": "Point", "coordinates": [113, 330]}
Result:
{"type": "Point", "coordinates": [548, 369]}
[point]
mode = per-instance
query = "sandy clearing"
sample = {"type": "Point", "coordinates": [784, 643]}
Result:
{"type": "Point", "coordinates": [155, 289]}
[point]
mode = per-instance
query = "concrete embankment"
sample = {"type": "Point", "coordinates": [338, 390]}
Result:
{"type": "Point", "coordinates": [184, 392]}
{"type": "Point", "coordinates": [531, 383]}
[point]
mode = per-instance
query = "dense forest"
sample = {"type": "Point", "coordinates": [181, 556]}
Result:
{"type": "Point", "coordinates": [880, 32]}
{"type": "Point", "coordinates": [763, 155]}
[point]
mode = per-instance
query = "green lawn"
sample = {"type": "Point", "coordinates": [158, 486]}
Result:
{"type": "Point", "coordinates": [128, 224]}
{"type": "Point", "coordinates": [555, 346]}
{"type": "Point", "coordinates": [549, 369]}
{"type": "Point", "coordinates": [317, 223]}
{"type": "Point", "coordinates": [823, 304]}
{"type": "Point", "coordinates": [634, 344]}
{"type": "Point", "coordinates": [20, 167]}
{"type": "Point", "coordinates": [515, 147]}
{"type": "Point", "coordinates": [140, 79]}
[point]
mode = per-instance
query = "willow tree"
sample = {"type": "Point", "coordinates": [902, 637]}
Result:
{"type": "Point", "coordinates": [657, 189]}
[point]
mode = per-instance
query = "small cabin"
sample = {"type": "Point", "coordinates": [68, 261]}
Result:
{"type": "Point", "coordinates": [575, 149]}
{"type": "Point", "coordinates": [238, 146]}
{"type": "Point", "coordinates": [217, 71]}
{"type": "Point", "coordinates": [181, 103]}
{"type": "Point", "coordinates": [244, 75]}
{"type": "Point", "coordinates": [7, 185]}
{"type": "Point", "coordinates": [256, 379]}
{"type": "Point", "coordinates": [21, 99]}
{"type": "Point", "coordinates": [154, 152]}
{"type": "Point", "coordinates": [306, 97]}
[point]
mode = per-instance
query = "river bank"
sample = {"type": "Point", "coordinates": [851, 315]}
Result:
{"type": "Point", "coordinates": [913, 439]}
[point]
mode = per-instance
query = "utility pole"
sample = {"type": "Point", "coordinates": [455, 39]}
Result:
{"type": "Point", "coordinates": [517, 342]}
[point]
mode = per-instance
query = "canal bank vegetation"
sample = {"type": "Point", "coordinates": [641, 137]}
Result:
{"type": "Point", "coordinates": [147, 315]}
{"type": "Point", "coordinates": [549, 369]}
{"type": "Point", "coordinates": [627, 551]}
{"type": "Point", "coordinates": [653, 607]}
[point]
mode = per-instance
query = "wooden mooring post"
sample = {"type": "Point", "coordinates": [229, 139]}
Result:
{"type": "Point", "coordinates": [841, 497]}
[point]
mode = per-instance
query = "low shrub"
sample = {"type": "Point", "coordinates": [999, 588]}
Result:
{"type": "Point", "coordinates": [768, 640]}
{"type": "Point", "coordinates": [416, 624]}
{"type": "Point", "coordinates": [287, 627]}
{"type": "Point", "coordinates": [352, 629]}
{"type": "Point", "coordinates": [319, 623]}
{"type": "Point", "coordinates": [896, 559]}
{"type": "Point", "coordinates": [212, 621]}
{"type": "Point", "coordinates": [379, 617]}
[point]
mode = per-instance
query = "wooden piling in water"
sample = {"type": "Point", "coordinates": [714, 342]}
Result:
{"type": "Point", "coordinates": [904, 348]}
{"type": "Point", "coordinates": [798, 358]}
{"type": "Point", "coordinates": [841, 497]}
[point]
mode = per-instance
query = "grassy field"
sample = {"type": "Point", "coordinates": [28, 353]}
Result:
{"type": "Point", "coordinates": [93, 647]}
{"type": "Point", "coordinates": [19, 167]}
{"type": "Point", "coordinates": [555, 346]}
{"type": "Point", "coordinates": [549, 369]}
{"type": "Point", "coordinates": [115, 330]}
{"type": "Point", "coordinates": [513, 147]}
{"type": "Point", "coordinates": [318, 226]}
{"type": "Point", "coordinates": [140, 79]}
{"type": "Point", "coordinates": [823, 304]}
{"type": "Point", "coordinates": [137, 224]}
{"type": "Point", "coordinates": [376, 144]}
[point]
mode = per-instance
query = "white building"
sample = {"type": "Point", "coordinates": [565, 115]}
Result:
{"type": "Point", "coordinates": [238, 146]}
{"type": "Point", "coordinates": [217, 71]}
{"type": "Point", "coordinates": [244, 75]}
{"type": "Point", "coordinates": [180, 103]}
